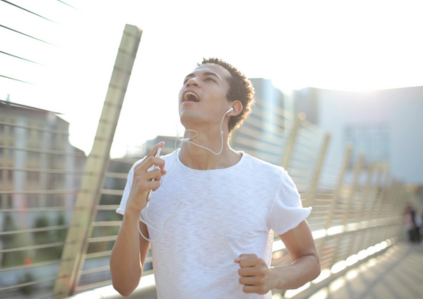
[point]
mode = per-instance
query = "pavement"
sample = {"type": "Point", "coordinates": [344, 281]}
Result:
{"type": "Point", "coordinates": [395, 274]}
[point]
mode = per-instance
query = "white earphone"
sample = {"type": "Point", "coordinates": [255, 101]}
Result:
{"type": "Point", "coordinates": [162, 226]}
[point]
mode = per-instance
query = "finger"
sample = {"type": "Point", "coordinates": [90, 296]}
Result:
{"type": "Point", "coordinates": [153, 185]}
{"type": "Point", "coordinates": [251, 289]}
{"type": "Point", "coordinates": [249, 271]}
{"type": "Point", "coordinates": [155, 174]}
{"type": "Point", "coordinates": [147, 163]}
{"type": "Point", "coordinates": [252, 262]}
{"type": "Point", "coordinates": [245, 256]}
{"type": "Point", "coordinates": [155, 148]}
{"type": "Point", "coordinates": [249, 280]}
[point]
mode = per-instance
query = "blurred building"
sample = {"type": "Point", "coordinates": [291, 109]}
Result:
{"type": "Point", "coordinates": [384, 125]}
{"type": "Point", "coordinates": [38, 165]}
{"type": "Point", "coordinates": [141, 151]}
{"type": "Point", "coordinates": [267, 94]}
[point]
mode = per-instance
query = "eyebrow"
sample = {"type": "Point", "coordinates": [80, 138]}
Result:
{"type": "Point", "coordinates": [205, 73]}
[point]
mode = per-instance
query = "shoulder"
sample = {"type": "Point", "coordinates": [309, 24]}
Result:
{"type": "Point", "coordinates": [262, 167]}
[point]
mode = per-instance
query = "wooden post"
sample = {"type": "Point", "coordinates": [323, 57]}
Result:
{"type": "Point", "coordinates": [354, 184]}
{"type": "Point", "coordinates": [290, 142]}
{"type": "Point", "coordinates": [335, 198]}
{"type": "Point", "coordinates": [359, 216]}
{"type": "Point", "coordinates": [368, 216]}
{"type": "Point", "coordinates": [96, 165]}
{"type": "Point", "coordinates": [317, 171]}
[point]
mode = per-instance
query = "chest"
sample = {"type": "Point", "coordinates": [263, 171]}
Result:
{"type": "Point", "coordinates": [214, 208]}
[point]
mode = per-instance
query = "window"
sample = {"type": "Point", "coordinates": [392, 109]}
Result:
{"type": "Point", "coordinates": [10, 172]}
{"type": "Point", "coordinates": [371, 140]}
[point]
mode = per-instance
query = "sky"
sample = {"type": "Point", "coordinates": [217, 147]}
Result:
{"type": "Point", "coordinates": [344, 45]}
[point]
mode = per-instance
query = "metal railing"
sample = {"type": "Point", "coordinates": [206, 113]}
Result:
{"type": "Point", "coordinates": [356, 210]}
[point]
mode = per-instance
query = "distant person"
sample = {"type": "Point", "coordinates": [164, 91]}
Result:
{"type": "Point", "coordinates": [417, 221]}
{"type": "Point", "coordinates": [219, 205]}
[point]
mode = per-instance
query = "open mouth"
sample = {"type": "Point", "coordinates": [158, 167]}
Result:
{"type": "Point", "coordinates": [190, 97]}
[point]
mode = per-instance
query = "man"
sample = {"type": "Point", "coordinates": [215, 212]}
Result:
{"type": "Point", "coordinates": [218, 243]}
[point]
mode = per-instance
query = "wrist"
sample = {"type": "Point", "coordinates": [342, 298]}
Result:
{"type": "Point", "coordinates": [281, 277]}
{"type": "Point", "coordinates": [132, 213]}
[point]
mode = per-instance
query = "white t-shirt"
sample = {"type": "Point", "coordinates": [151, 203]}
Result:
{"type": "Point", "coordinates": [226, 212]}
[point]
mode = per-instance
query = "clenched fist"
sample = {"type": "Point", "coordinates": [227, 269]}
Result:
{"type": "Point", "coordinates": [256, 276]}
{"type": "Point", "coordinates": [144, 180]}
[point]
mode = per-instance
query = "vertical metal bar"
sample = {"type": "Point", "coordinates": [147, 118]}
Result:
{"type": "Point", "coordinates": [359, 215]}
{"type": "Point", "coordinates": [376, 230]}
{"type": "Point", "coordinates": [335, 197]}
{"type": "Point", "coordinates": [96, 165]}
{"type": "Point", "coordinates": [317, 171]}
{"type": "Point", "coordinates": [369, 211]}
{"type": "Point", "coordinates": [354, 184]}
{"type": "Point", "coordinates": [290, 143]}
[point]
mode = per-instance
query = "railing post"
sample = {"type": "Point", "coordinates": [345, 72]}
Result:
{"type": "Point", "coordinates": [335, 198]}
{"type": "Point", "coordinates": [96, 165]}
{"type": "Point", "coordinates": [290, 143]}
{"type": "Point", "coordinates": [379, 208]}
{"type": "Point", "coordinates": [317, 171]}
{"type": "Point", "coordinates": [359, 215]}
{"type": "Point", "coordinates": [373, 196]}
{"type": "Point", "coordinates": [354, 184]}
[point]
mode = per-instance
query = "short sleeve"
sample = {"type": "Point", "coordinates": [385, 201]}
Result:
{"type": "Point", "coordinates": [127, 190]}
{"type": "Point", "coordinates": [287, 211]}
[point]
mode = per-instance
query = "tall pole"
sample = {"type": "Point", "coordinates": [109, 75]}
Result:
{"type": "Point", "coordinates": [96, 165]}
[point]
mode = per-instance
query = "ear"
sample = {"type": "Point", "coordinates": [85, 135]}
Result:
{"type": "Point", "coordinates": [237, 108]}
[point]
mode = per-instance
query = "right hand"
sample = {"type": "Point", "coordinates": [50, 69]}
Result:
{"type": "Point", "coordinates": [142, 181]}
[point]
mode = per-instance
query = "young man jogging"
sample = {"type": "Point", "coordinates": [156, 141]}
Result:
{"type": "Point", "coordinates": [210, 220]}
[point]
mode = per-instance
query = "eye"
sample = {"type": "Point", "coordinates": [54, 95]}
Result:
{"type": "Point", "coordinates": [210, 79]}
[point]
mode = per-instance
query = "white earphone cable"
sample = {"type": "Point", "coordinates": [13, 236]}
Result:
{"type": "Point", "coordinates": [162, 227]}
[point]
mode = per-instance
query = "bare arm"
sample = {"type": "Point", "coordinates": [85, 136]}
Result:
{"type": "Point", "coordinates": [258, 278]}
{"type": "Point", "coordinates": [305, 261]}
{"type": "Point", "coordinates": [128, 255]}
{"type": "Point", "coordinates": [130, 249]}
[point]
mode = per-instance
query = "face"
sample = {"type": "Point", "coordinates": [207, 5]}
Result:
{"type": "Point", "coordinates": [202, 98]}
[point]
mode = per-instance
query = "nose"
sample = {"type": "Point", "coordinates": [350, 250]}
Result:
{"type": "Point", "coordinates": [192, 82]}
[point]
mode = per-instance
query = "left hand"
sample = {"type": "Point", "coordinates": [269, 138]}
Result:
{"type": "Point", "coordinates": [256, 276]}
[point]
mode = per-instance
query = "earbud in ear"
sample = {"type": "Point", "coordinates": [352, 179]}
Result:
{"type": "Point", "coordinates": [232, 108]}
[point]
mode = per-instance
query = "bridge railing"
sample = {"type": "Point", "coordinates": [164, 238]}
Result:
{"type": "Point", "coordinates": [357, 206]}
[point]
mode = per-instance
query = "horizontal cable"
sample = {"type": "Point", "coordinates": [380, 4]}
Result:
{"type": "Point", "coordinates": [116, 175]}
{"type": "Point", "coordinates": [106, 223]}
{"type": "Point", "coordinates": [93, 286]}
{"type": "Point", "coordinates": [10, 78]}
{"type": "Point", "coordinates": [16, 31]}
{"type": "Point", "coordinates": [38, 210]}
{"type": "Point", "coordinates": [95, 270]}
{"type": "Point", "coordinates": [42, 151]}
{"type": "Point", "coordinates": [102, 239]}
{"type": "Point", "coordinates": [34, 265]}
{"type": "Point", "coordinates": [39, 170]}
{"type": "Point", "coordinates": [24, 9]}
{"type": "Point", "coordinates": [35, 128]}
{"type": "Point", "coordinates": [32, 230]}
{"type": "Point", "coordinates": [20, 58]}
{"type": "Point", "coordinates": [67, 4]}
{"type": "Point", "coordinates": [30, 283]}
{"type": "Point", "coordinates": [42, 192]}
{"type": "Point", "coordinates": [35, 247]}
{"type": "Point", "coordinates": [98, 254]}
{"type": "Point", "coordinates": [107, 207]}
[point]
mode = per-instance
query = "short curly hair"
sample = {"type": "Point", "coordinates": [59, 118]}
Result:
{"type": "Point", "coordinates": [240, 89]}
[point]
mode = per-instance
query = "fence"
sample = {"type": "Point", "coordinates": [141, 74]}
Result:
{"type": "Point", "coordinates": [357, 208]}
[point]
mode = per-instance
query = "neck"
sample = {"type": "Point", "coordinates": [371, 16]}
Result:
{"type": "Point", "coordinates": [199, 158]}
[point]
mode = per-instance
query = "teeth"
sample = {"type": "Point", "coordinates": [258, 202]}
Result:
{"type": "Point", "coordinates": [186, 96]}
